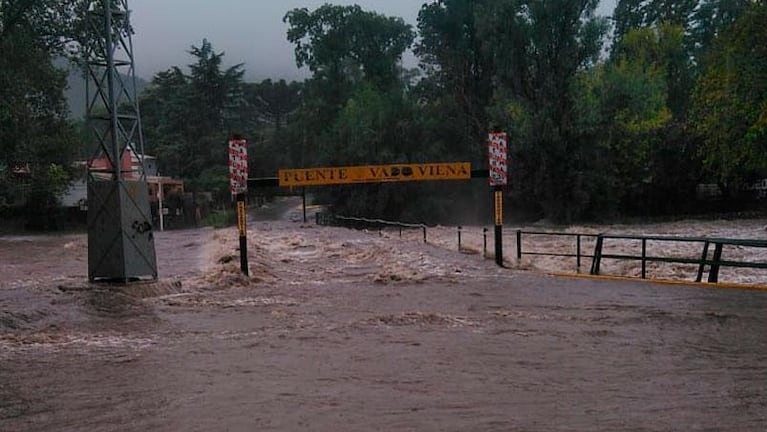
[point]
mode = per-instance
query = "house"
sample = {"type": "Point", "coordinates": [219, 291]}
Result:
{"type": "Point", "coordinates": [16, 180]}
{"type": "Point", "coordinates": [159, 187]}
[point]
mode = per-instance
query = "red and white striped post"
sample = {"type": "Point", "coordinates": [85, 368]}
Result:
{"type": "Point", "coordinates": [238, 186]}
{"type": "Point", "coordinates": [497, 150]}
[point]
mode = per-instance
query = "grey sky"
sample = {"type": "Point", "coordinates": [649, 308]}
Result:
{"type": "Point", "coordinates": [248, 31]}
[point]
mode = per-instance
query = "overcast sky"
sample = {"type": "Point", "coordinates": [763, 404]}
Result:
{"type": "Point", "coordinates": [248, 31]}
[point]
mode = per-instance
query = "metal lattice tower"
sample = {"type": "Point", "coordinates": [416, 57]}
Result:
{"type": "Point", "coordinates": [120, 236]}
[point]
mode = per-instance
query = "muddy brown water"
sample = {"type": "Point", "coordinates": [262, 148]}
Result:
{"type": "Point", "coordinates": [346, 330]}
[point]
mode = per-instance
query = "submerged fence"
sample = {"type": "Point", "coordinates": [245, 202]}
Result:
{"type": "Point", "coordinates": [714, 262]}
{"type": "Point", "coordinates": [709, 255]}
{"type": "Point", "coordinates": [328, 219]}
{"type": "Point", "coordinates": [577, 237]}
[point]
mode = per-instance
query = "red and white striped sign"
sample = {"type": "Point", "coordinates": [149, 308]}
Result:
{"type": "Point", "coordinates": [497, 152]}
{"type": "Point", "coordinates": [238, 166]}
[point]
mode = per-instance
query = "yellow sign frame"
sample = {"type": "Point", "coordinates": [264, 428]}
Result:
{"type": "Point", "coordinates": [374, 174]}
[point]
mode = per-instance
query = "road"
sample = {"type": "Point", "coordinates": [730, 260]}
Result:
{"type": "Point", "coordinates": [348, 330]}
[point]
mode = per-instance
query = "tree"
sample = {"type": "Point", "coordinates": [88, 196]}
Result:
{"type": "Point", "coordinates": [459, 65]}
{"type": "Point", "coordinates": [272, 102]}
{"type": "Point", "coordinates": [338, 43]}
{"type": "Point", "coordinates": [711, 19]}
{"type": "Point", "coordinates": [189, 118]}
{"type": "Point", "coordinates": [541, 48]}
{"type": "Point", "coordinates": [635, 109]}
{"type": "Point", "coordinates": [215, 94]}
{"type": "Point", "coordinates": [164, 110]}
{"type": "Point", "coordinates": [36, 138]}
{"type": "Point", "coordinates": [343, 47]}
{"type": "Point", "coordinates": [633, 14]}
{"type": "Point", "coordinates": [376, 127]}
{"type": "Point", "coordinates": [730, 111]}
{"type": "Point", "coordinates": [358, 106]}
{"type": "Point", "coordinates": [53, 22]}
{"type": "Point", "coordinates": [272, 122]}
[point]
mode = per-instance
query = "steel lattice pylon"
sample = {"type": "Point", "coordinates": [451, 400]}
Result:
{"type": "Point", "coordinates": [120, 236]}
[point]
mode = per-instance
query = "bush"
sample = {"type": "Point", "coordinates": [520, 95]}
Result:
{"type": "Point", "coordinates": [221, 219]}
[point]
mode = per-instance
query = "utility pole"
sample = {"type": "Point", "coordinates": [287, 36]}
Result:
{"type": "Point", "coordinates": [120, 235]}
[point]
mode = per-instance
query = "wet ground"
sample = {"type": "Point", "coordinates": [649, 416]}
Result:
{"type": "Point", "coordinates": [348, 330]}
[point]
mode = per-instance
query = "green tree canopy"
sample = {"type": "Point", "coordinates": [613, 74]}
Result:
{"type": "Point", "coordinates": [459, 65]}
{"type": "Point", "coordinates": [35, 135]}
{"type": "Point", "coordinates": [273, 111]}
{"type": "Point", "coordinates": [356, 108]}
{"type": "Point", "coordinates": [711, 18]}
{"type": "Point", "coordinates": [340, 43]}
{"type": "Point", "coordinates": [189, 118]}
{"type": "Point", "coordinates": [730, 101]}
{"type": "Point", "coordinates": [635, 110]}
{"type": "Point", "coordinates": [541, 47]}
{"type": "Point", "coordinates": [274, 101]}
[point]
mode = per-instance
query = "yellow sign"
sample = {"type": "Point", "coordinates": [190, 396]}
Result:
{"type": "Point", "coordinates": [241, 218]}
{"type": "Point", "coordinates": [498, 208]}
{"type": "Point", "coordinates": [375, 174]}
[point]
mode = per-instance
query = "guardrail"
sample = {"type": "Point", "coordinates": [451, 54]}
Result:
{"type": "Point", "coordinates": [328, 219]}
{"type": "Point", "coordinates": [714, 264]}
{"type": "Point", "coordinates": [583, 240]}
{"type": "Point", "coordinates": [484, 240]}
{"type": "Point", "coordinates": [578, 255]}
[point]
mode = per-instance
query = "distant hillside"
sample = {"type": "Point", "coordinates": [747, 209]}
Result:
{"type": "Point", "coordinates": [75, 92]}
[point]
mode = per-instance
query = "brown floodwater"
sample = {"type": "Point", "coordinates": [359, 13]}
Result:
{"type": "Point", "coordinates": [349, 330]}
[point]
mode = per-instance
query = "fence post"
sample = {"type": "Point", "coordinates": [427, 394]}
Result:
{"type": "Point", "coordinates": [702, 266]}
{"type": "Point", "coordinates": [578, 253]}
{"type": "Point", "coordinates": [459, 238]}
{"type": "Point", "coordinates": [424, 233]}
{"type": "Point", "coordinates": [519, 244]}
{"type": "Point", "coordinates": [713, 273]}
{"type": "Point", "coordinates": [484, 242]}
{"type": "Point", "coordinates": [595, 261]}
{"type": "Point", "coordinates": [644, 258]}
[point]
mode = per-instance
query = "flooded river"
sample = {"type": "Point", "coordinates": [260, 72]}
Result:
{"type": "Point", "coordinates": [347, 330]}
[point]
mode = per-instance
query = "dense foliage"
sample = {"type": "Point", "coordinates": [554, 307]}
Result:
{"type": "Point", "coordinates": [730, 101]}
{"type": "Point", "coordinates": [188, 118]}
{"type": "Point", "coordinates": [37, 142]}
{"type": "Point", "coordinates": [605, 117]}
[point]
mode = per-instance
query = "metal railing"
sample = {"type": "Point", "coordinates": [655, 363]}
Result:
{"type": "Point", "coordinates": [460, 241]}
{"type": "Point", "coordinates": [328, 219]}
{"type": "Point", "coordinates": [714, 264]}
{"type": "Point", "coordinates": [578, 255]}
{"type": "Point", "coordinates": [702, 260]}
